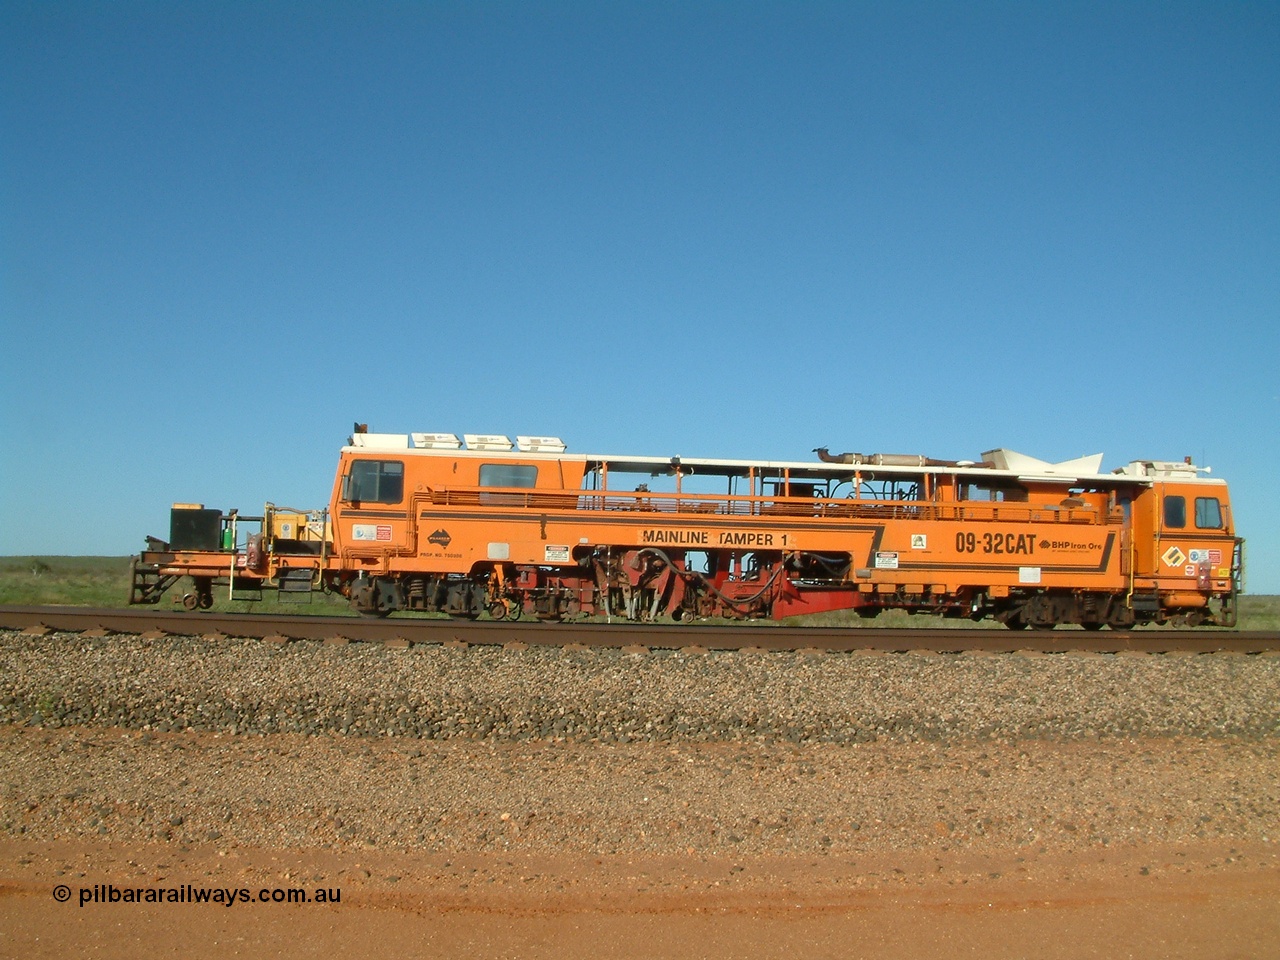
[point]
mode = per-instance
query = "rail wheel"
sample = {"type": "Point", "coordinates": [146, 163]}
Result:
{"type": "Point", "coordinates": [202, 596]}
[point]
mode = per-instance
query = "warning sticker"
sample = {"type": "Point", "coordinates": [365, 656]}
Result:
{"type": "Point", "coordinates": [556, 553]}
{"type": "Point", "coordinates": [886, 561]}
{"type": "Point", "coordinates": [1173, 557]}
{"type": "Point", "coordinates": [919, 541]}
{"type": "Point", "coordinates": [371, 531]}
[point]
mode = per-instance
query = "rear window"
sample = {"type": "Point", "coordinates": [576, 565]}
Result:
{"type": "Point", "coordinates": [1175, 512]}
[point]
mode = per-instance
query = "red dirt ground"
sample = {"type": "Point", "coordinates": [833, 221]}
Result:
{"type": "Point", "coordinates": [1143, 901]}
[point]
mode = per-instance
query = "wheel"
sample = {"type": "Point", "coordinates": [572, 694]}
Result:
{"type": "Point", "coordinates": [1092, 625]}
{"type": "Point", "coordinates": [190, 601]}
{"type": "Point", "coordinates": [498, 610]}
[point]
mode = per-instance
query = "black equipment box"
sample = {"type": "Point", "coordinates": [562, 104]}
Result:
{"type": "Point", "coordinates": [195, 529]}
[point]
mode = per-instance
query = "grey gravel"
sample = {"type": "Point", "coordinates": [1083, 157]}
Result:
{"type": "Point", "coordinates": [227, 742]}
{"type": "Point", "coordinates": [489, 693]}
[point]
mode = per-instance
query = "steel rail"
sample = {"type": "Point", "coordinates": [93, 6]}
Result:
{"type": "Point", "coordinates": [635, 636]}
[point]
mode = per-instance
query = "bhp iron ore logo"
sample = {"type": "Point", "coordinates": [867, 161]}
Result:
{"type": "Point", "coordinates": [440, 538]}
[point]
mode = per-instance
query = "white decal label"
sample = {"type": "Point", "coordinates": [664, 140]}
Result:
{"type": "Point", "coordinates": [886, 561]}
{"type": "Point", "coordinates": [371, 531]}
{"type": "Point", "coordinates": [555, 553]}
{"type": "Point", "coordinates": [919, 541]}
{"type": "Point", "coordinates": [1028, 574]}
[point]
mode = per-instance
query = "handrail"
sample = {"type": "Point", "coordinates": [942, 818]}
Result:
{"type": "Point", "coordinates": [687, 505]}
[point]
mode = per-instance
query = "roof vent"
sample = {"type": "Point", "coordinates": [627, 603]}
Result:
{"type": "Point", "coordinates": [486, 441]}
{"type": "Point", "coordinates": [436, 441]}
{"type": "Point", "coordinates": [1162, 469]}
{"type": "Point", "coordinates": [540, 444]}
{"type": "Point", "coordinates": [380, 441]}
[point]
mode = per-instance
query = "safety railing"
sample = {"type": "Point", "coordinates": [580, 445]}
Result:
{"type": "Point", "coordinates": [701, 504]}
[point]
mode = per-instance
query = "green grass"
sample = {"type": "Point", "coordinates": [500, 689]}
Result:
{"type": "Point", "coordinates": [1259, 613]}
{"type": "Point", "coordinates": [78, 581]}
{"type": "Point", "coordinates": [104, 582]}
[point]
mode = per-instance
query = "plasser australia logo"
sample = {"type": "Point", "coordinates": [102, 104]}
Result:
{"type": "Point", "coordinates": [440, 538]}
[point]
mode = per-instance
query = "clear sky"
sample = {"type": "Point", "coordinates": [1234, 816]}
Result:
{"type": "Point", "coordinates": [230, 229]}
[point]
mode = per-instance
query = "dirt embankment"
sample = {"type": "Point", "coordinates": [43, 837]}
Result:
{"type": "Point", "coordinates": [1052, 807]}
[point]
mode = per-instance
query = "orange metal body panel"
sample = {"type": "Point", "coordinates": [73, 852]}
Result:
{"type": "Point", "coordinates": [447, 523]}
{"type": "Point", "coordinates": [551, 534]}
{"type": "Point", "coordinates": [1182, 560]}
{"type": "Point", "coordinates": [403, 536]}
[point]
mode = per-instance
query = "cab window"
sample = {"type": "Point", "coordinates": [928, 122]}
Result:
{"type": "Point", "coordinates": [374, 481]}
{"type": "Point", "coordinates": [1208, 513]}
{"type": "Point", "coordinates": [1175, 512]}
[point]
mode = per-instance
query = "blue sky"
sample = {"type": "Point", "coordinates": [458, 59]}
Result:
{"type": "Point", "coordinates": [228, 230]}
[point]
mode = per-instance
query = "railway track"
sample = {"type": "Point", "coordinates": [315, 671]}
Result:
{"type": "Point", "coordinates": [633, 636]}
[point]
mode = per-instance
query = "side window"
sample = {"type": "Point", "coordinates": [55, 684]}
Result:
{"type": "Point", "coordinates": [1208, 513]}
{"type": "Point", "coordinates": [1175, 512]}
{"type": "Point", "coordinates": [375, 481]}
{"type": "Point", "coordinates": [508, 475]}
{"type": "Point", "coordinates": [994, 492]}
